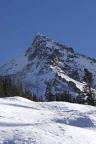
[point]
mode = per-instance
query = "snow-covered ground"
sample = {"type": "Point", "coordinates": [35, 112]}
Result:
{"type": "Point", "coordinates": [26, 122]}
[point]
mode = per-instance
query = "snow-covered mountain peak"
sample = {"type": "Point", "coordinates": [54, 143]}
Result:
{"type": "Point", "coordinates": [40, 44]}
{"type": "Point", "coordinates": [50, 65]}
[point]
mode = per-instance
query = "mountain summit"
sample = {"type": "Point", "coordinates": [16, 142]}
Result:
{"type": "Point", "coordinates": [50, 66]}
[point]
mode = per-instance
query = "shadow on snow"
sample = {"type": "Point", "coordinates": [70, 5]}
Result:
{"type": "Point", "coordinates": [82, 122]}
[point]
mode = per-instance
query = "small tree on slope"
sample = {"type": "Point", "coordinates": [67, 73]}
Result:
{"type": "Point", "coordinates": [88, 78]}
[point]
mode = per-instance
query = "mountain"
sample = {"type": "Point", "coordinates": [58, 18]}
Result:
{"type": "Point", "coordinates": [50, 66]}
{"type": "Point", "coordinates": [26, 122]}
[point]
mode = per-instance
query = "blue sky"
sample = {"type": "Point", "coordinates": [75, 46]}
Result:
{"type": "Point", "coordinates": [72, 22]}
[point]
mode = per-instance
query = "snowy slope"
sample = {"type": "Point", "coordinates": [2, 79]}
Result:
{"type": "Point", "coordinates": [48, 62]}
{"type": "Point", "coordinates": [15, 65]}
{"type": "Point", "coordinates": [64, 76]}
{"type": "Point", "coordinates": [26, 122]}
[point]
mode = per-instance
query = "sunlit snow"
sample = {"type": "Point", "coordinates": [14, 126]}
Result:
{"type": "Point", "coordinates": [26, 122]}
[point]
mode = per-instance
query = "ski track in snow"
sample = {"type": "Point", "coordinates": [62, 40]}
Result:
{"type": "Point", "coordinates": [26, 122]}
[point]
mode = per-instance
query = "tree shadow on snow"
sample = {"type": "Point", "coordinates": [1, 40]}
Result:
{"type": "Point", "coordinates": [8, 142]}
{"type": "Point", "coordinates": [4, 124]}
{"type": "Point", "coordinates": [83, 122]}
{"type": "Point", "coordinates": [20, 106]}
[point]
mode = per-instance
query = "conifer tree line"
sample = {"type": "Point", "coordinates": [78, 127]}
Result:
{"type": "Point", "coordinates": [9, 88]}
{"type": "Point", "coordinates": [87, 96]}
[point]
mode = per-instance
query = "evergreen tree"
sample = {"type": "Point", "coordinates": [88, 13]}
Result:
{"type": "Point", "coordinates": [20, 89]}
{"type": "Point", "coordinates": [88, 78]}
{"type": "Point", "coordinates": [1, 87]}
{"type": "Point", "coordinates": [28, 94]}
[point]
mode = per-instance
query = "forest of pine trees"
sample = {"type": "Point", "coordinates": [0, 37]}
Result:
{"type": "Point", "coordinates": [9, 88]}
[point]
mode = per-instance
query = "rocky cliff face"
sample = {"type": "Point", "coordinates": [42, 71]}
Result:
{"type": "Point", "coordinates": [50, 65]}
